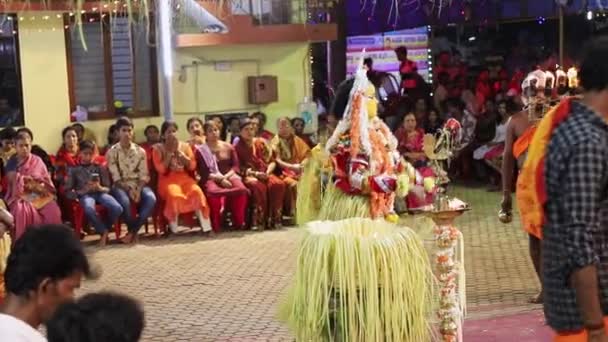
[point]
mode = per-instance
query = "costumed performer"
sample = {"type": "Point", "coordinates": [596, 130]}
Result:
{"type": "Point", "coordinates": [366, 168]}
{"type": "Point", "coordinates": [520, 130]}
{"type": "Point", "coordinates": [521, 136]}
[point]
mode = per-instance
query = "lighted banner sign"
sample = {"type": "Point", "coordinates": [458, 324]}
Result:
{"type": "Point", "coordinates": [381, 48]}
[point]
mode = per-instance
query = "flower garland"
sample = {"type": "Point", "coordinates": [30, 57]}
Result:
{"type": "Point", "coordinates": [355, 125]}
{"type": "Point", "coordinates": [382, 161]}
{"type": "Point", "coordinates": [451, 283]}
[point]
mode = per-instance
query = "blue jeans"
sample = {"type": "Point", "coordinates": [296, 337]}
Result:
{"type": "Point", "coordinates": [113, 210]}
{"type": "Point", "coordinates": [145, 208]}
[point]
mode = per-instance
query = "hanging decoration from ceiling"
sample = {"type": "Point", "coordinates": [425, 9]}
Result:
{"type": "Point", "coordinates": [137, 11]}
{"type": "Point", "coordinates": [373, 16]}
{"type": "Point", "coordinates": [368, 17]}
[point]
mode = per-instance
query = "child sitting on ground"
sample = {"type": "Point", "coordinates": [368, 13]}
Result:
{"type": "Point", "coordinates": [89, 182]}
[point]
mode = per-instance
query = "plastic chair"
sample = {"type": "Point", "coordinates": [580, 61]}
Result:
{"type": "Point", "coordinates": [160, 222]}
{"type": "Point", "coordinates": [79, 219]}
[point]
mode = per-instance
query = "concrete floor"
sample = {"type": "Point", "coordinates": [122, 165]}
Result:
{"type": "Point", "coordinates": [227, 288]}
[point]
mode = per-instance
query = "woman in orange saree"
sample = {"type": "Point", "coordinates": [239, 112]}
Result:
{"type": "Point", "coordinates": [257, 168]}
{"type": "Point", "coordinates": [175, 164]}
{"type": "Point", "coordinates": [31, 194]}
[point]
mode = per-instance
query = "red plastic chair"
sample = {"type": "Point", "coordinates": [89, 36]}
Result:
{"type": "Point", "coordinates": [79, 219]}
{"type": "Point", "coordinates": [155, 222]}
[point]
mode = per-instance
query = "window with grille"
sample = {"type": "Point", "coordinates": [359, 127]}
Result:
{"type": "Point", "coordinates": [116, 74]}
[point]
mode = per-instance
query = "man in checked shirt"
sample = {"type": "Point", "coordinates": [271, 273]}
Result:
{"type": "Point", "coordinates": [575, 233]}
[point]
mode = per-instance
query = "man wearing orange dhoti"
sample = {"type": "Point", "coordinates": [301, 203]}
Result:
{"type": "Point", "coordinates": [520, 130]}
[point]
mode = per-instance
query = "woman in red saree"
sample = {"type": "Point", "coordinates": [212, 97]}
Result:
{"type": "Point", "coordinates": [31, 194]}
{"type": "Point", "coordinates": [66, 157]}
{"type": "Point", "coordinates": [218, 167]}
{"type": "Point", "coordinates": [256, 168]}
{"type": "Point", "coordinates": [411, 143]}
{"type": "Point", "coordinates": [259, 120]}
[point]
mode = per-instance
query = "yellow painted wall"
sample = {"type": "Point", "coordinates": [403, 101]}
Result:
{"type": "Point", "coordinates": [44, 78]}
{"type": "Point", "coordinates": [226, 89]}
{"type": "Point", "coordinates": [45, 81]}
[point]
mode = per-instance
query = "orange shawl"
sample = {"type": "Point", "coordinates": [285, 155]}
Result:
{"type": "Point", "coordinates": [520, 146]}
{"type": "Point", "coordinates": [293, 153]}
{"type": "Point", "coordinates": [531, 193]}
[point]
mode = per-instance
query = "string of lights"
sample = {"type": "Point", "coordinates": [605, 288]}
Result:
{"type": "Point", "coordinates": [429, 30]}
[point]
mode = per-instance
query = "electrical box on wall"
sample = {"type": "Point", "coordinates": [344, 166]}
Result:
{"type": "Point", "coordinates": [263, 89]}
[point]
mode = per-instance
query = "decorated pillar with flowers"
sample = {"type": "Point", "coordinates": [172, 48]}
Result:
{"type": "Point", "coordinates": [449, 267]}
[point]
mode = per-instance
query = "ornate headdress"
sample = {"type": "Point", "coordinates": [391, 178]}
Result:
{"type": "Point", "coordinates": [532, 84]}
{"type": "Point", "coordinates": [572, 78]}
{"type": "Point", "coordinates": [562, 82]}
{"type": "Point", "coordinates": [355, 120]}
{"type": "Point", "coordinates": [549, 83]}
{"type": "Point", "coordinates": [537, 89]}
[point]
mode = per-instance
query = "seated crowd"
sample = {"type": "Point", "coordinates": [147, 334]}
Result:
{"type": "Point", "coordinates": [236, 175]}
{"type": "Point", "coordinates": [483, 131]}
{"type": "Point", "coordinates": [245, 179]}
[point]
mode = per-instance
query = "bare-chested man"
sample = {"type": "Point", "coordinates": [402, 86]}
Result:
{"type": "Point", "coordinates": [520, 131]}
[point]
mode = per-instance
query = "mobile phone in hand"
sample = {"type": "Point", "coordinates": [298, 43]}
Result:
{"type": "Point", "coordinates": [95, 177]}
